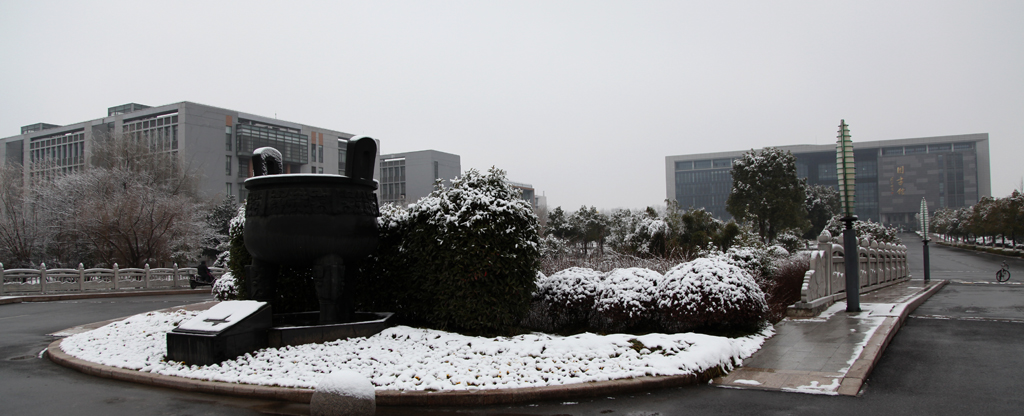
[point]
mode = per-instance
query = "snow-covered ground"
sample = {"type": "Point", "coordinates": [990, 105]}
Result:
{"type": "Point", "coordinates": [405, 358]}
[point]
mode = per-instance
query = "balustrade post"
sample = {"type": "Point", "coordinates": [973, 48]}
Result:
{"type": "Point", "coordinates": [81, 277]}
{"type": "Point", "coordinates": [2, 280]}
{"type": "Point", "coordinates": [117, 278]}
{"type": "Point", "coordinates": [42, 278]}
{"type": "Point", "coordinates": [146, 277]}
{"type": "Point", "coordinates": [175, 278]}
{"type": "Point", "coordinates": [825, 246]}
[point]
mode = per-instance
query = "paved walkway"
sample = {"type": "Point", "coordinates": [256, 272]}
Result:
{"type": "Point", "coordinates": [834, 352]}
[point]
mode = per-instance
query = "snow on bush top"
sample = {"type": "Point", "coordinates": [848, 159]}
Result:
{"type": "Point", "coordinates": [476, 200]}
{"type": "Point", "coordinates": [713, 284]}
{"type": "Point", "coordinates": [631, 289]}
{"type": "Point", "coordinates": [572, 285]}
{"type": "Point", "coordinates": [391, 217]}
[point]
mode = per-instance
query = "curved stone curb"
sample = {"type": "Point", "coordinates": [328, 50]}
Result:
{"type": "Point", "coordinates": [384, 397]}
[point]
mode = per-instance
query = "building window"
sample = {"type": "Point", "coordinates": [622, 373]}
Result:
{"type": "Point", "coordinates": [312, 169]}
{"type": "Point", "coordinates": [243, 167]}
{"type": "Point", "coordinates": [687, 165]}
{"type": "Point", "coordinates": [56, 154]}
{"type": "Point", "coordinates": [866, 169]}
{"type": "Point", "coordinates": [320, 170]}
{"type": "Point", "coordinates": [252, 135]}
{"type": "Point", "coordinates": [963, 146]}
{"type": "Point", "coordinates": [342, 148]}
{"type": "Point", "coordinates": [702, 164]}
{"type": "Point", "coordinates": [915, 150]}
{"type": "Point", "coordinates": [437, 171]}
{"type": "Point", "coordinates": [227, 166]}
{"type": "Point", "coordinates": [229, 192]}
{"type": "Point", "coordinates": [227, 137]}
{"type": "Point", "coordinates": [392, 181]}
{"type": "Point", "coordinates": [936, 148]}
{"type": "Point", "coordinates": [827, 171]}
{"type": "Point", "coordinates": [892, 151]}
{"type": "Point", "coordinates": [320, 153]}
{"type": "Point", "coordinates": [722, 163]}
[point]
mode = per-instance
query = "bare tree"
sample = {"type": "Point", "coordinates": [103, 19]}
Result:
{"type": "Point", "coordinates": [135, 205]}
{"type": "Point", "coordinates": [19, 225]}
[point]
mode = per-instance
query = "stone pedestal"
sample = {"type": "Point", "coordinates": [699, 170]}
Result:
{"type": "Point", "coordinates": [220, 333]}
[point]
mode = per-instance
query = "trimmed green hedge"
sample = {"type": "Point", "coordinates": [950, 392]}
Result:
{"type": "Point", "coordinates": [463, 258]}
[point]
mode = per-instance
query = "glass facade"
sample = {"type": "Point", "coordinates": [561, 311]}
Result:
{"type": "Point", "coordinates": [251, 135]}
{"type": "Point", "coordinates": [342, 155]}
{"type": "Point", "coordinates": [159, 131]}
{"type": "Point", "coordinates": [56, 154]}
{"type": "Point", "coordinates": [700, 185]}
{"type": "Point", "coordinates": [392, 181]}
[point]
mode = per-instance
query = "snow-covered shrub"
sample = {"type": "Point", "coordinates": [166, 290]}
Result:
{"type": "Point", "coordinates": [465, 258]}
{"type": "Point", "coordinates": [640, 233]}
{"type": "Point", "coordinates": [789, 241]}
{"type": "Point", "coordinates": [709, 293]}
{"type": "Point", "coordinates": [567, 298]}
{"type": "Point", "coordinates": [238, 256]}
{"type": "Point", "coordinates": [625, 299]}
{"type": "Point", "coordinates": [224, 288]}
{"type": "Point", "coordinates": [784, 288]}
{"type": "Point", "coordinates": [553, 247]}
{"type": "Point", "coordinates": [759, 262]}
{"type": "Point", "coordinates": [870, 229]}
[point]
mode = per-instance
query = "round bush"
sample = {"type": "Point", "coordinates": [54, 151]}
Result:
{"type": "Point", "coordinates": [465, 258]}
{"type": "Point", "coordinates": [224, 288]}
{"type": "Point", "coordinates": [709, 294]}
{"type": "Point", "coordinates": [625, 299]}
{"type": "Point", "coordinates": [567, 297]}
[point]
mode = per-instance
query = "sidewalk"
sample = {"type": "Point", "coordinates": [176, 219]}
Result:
{"type": "Point", "coordinates": [834, 352]}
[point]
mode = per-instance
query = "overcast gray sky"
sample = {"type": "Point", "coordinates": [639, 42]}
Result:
{"type": "Point", "coordinates": [582, 99]}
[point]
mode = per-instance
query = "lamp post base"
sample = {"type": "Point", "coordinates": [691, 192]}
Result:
{"type": "Point", "coordinates": [852, 260]}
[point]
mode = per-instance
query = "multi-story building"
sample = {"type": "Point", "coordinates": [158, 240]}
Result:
{"type": "Point", "coordinates": [217, 143]}
{"type": "Point", "coordinates": [407, 177]}
{"type": "Point", "coordinates": [892, 175]}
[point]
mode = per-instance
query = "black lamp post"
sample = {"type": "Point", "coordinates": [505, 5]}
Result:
{"type": "Point", "coordinates": [924, 238]}
{"type": "Point", "coordinates": [846, 173]}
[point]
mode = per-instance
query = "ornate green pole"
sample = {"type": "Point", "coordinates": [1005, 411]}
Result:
{"type": "Point", "coordinates": [847, 180]}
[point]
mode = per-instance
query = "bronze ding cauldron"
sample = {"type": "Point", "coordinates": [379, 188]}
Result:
{"type": "Point", "coordinates": [325, 221]}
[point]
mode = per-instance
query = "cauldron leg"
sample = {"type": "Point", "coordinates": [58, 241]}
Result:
{"type": "Point", "coordinates": [329, 275]}
{"type": "Point", "coordinates": [262, 277]}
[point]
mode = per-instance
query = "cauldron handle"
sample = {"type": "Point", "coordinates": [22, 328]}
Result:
{"type": "Point", "coordinates": [360, 157]}
{"type": "Point", "coordinates": [266, 161]}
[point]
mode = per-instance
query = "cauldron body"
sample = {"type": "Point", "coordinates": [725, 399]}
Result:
{"type": "Point", "coordinates": [299, 218]}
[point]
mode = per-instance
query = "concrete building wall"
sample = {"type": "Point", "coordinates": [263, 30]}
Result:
{"type": "Point", "coordinates": [421, 169]}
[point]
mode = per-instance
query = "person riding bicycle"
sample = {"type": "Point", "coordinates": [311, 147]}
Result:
{"type": "Point", "coordinates": [203, 273]}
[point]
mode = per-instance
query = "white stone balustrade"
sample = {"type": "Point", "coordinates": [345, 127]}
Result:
{"type": "Point", "coordinates": [43, 280]}
{"type": "Point", "coordinates": [881, 265]}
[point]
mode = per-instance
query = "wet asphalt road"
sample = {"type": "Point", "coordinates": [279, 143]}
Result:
{"type": "Point", "coordinates": [31, 385]}
{"type": "Point", "coordinates": [960, 353]}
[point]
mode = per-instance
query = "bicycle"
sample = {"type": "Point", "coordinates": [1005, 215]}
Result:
{"type": "Point", "coordinates": [1003, 274]}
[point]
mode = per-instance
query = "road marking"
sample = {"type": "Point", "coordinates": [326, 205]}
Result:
{"type": "Point", "coordinates": [969, 318]}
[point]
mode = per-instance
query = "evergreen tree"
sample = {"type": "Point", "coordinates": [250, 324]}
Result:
{"type": "Point", "coordinates": [767, 192]}
{"type": "Point", "coordinates": [821, 203]}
